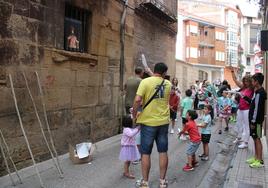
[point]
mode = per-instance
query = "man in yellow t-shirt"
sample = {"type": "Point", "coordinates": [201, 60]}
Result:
{"type": "Point", "coordinates": [154, 121]}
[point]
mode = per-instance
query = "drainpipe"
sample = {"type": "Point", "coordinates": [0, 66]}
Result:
{"type": "Point", "coordinates": [265, 26]}
{"type": "Point", "coordinates": [122, 60]}
{"type": "Point", "coordinates": [264, 9]}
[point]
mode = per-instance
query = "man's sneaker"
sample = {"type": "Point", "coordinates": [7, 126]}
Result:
{"type": "Point", "coordinates": [201, 155]}
{"type": "Point", "coordinates": [204, 158]}
{"type": "Point", "coordinates": [226, 129]}
{"type": "Point", "coordinates": [172, 131]}
{"type": "Point", "coordinates": [163, 183]}
{"type": "Point", "coordinates": [256, 164]}
{"type": "Point", "coordinates": [243, 145]}
{"type": "Point", "coordinates": [136, 162]}
{"type": "Point", "coordinates": [141, 184]}
{"type": "Point", "coordinates": [251, 160]}
{"type": "Point", "coordinates": [187, 168]}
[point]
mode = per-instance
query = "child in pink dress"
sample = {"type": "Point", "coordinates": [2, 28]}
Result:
{"type": "Point", "coordinates": [129, 151]}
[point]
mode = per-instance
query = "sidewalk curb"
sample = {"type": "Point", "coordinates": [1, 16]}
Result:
{"type": "Point", "coordinates": [48, 164]}
{"type": "Point", "coordinates": [215, 176]}
{"type": "Point", "coordinates": [231, 181]}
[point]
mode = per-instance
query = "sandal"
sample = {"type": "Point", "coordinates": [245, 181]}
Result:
{"type": "Point", "coordinates": [163, 183]}
{"type": "Point", "coordinates": [141, 184]}
{"type": "Point", "coordinates": [129, 176]}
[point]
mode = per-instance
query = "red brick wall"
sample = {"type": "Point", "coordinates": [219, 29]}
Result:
{"type": "Point", "coordinates": [220, 46]}
{"type": "Point", "coordinates": [191, 41]}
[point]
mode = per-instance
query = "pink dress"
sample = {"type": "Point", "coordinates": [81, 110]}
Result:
{"type": "Point", "coordinates": [129, 150]}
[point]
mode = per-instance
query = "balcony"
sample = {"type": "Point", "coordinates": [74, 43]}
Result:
{"type": "Point", "coordinates": [206, 60]}
{"type": "Point", "coordinates": [157, 9]}
{"type": "Point", "coordinates": [205, 44]}
{"type": "Point", "coordinates": [206, 37]}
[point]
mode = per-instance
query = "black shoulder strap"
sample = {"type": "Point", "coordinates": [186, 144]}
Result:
{"type": "Point", "coordinates": [154, 94]}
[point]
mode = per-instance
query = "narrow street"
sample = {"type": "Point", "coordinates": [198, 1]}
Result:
{"type": "Point", "coordinates": [106, 170]}
{"type": "Point", "coordinates": [70, 68]}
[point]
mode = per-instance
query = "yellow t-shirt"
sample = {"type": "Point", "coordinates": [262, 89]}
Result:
{"type": "Point", "coordinates": [157, 112]}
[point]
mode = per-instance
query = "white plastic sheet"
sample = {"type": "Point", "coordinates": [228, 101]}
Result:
{"type": "Point", "coordinates": [83, 149]}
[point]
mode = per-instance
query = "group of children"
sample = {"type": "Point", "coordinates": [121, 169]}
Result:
{"type": "Point", "coordinates": [226, 106]}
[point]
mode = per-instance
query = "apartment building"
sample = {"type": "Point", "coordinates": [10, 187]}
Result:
{"type": "Point", "coordinates": [232, 22]}
{"type": "Point", "coordinates": [250, 30]}
{"type": "Point", "coordinates": [222, 13]}
{"type": "Point", "coordinates": [201, 43]}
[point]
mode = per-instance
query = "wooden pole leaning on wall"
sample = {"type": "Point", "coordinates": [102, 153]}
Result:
{"type": "Point", "coordinates": [122, 59]}
{"type": "Point", "coordinates": [9, 156]}
{"type": "Point", "coordinates": [46, 120]}
{"type": "Point", "coordinates": [6, 163]}
{"type": "Point", "coordinates": [41, 126]}
{"type": "Point", "coordinates": [23, 132]}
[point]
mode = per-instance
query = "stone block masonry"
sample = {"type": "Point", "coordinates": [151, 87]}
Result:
{"type": "Point", "coordinates": [81, 89]}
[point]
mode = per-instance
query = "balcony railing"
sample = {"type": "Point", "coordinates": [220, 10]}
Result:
{"type": "Point", "coordinates": [206, 41]}
{"type": "Point", "coordinates": [205, 44]}
{"type": "Point", "coordinates": [158, 9]}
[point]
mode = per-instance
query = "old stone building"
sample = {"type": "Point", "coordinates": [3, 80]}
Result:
{"type": "Point", "coordinates": [74, 45]}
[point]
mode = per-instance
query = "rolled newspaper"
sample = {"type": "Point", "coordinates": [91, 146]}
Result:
{"type": "Point", "coordinates": [233, 92]}
{"type": "Point", "coordinates": [143, 60]}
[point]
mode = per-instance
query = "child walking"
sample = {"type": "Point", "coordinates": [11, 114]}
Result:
{"type": "Point", "coordinates": [234, 105]}
{"type": "Point", "coordinates": [195, 140]}
{"type": "Point", "coordinates": [129, 151]}
{"type": "Point", "coordinates": [224, 110]}
{"type": "Point", "coordinates": [173, 105]}
{"type": "Point", "coordinates": [210, 101]}
{"type": "Point", "coordinates": [206, 131]}
{"type": "Point", "coordinates": [256, 118]}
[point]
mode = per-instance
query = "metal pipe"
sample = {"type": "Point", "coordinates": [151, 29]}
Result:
{"type": "Point", "coordinates": [23, 131]}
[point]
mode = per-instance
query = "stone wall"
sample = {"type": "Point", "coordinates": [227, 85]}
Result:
{"type": "Point", "coordinates": [155, 39]}
{"type": "Point", "coordinates": [186, 74]}
{"type": "Point", "coordinates": [81, 90]}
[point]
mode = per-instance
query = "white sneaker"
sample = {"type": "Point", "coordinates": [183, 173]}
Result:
{"type": "Point", "coordinates": [243, 145]}
{"type": "Point", "coordinates": [183, 137]}
{"type": "Point", "coordinates": [172, 131]}
{"type": "Point", "coordinates": [236, 141]}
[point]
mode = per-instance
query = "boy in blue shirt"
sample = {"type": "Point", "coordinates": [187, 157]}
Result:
{"type": "Point", "coordinates": [206, 131]}
{"type": "Point", "coordinates": [186, 104]}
